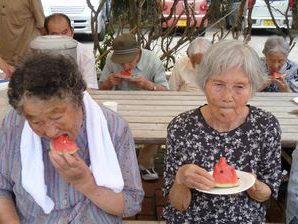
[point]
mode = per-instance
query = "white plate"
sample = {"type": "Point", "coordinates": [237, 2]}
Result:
{"type": "Point", "coordinates": [246, 181]}
{"type": "Point", "coordinates": [295, 100]}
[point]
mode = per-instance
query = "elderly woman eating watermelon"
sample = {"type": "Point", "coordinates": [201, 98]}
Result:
{"type": "Point", "coordinates": [207, 147]}
{"type": "Point", "coordinates": [63, 158]}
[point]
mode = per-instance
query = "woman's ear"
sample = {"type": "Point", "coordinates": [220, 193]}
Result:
{"type": "Point", "coordinates": [72, 31]}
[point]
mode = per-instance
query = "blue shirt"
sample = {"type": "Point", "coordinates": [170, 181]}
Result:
{"type": "Point", "coordinates": [149, 66]}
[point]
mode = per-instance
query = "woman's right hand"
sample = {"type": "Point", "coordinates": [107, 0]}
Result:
{"type": "Point", "coordinates": [193, 176]}
{"type": "Point", "coordinates": [114, 79]}
{"type": "Point", "coordinates": [282, 84]}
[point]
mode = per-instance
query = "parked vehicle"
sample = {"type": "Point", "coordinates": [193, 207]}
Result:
{"type": "Point", "coordinates": [179, 18]}
{"type": "Point", "coordinates": [261, 18]}
{"type": "Point", "coordinates": [79, 14]}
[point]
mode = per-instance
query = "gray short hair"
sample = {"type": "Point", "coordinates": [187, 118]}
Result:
{"type": "Point", "coordinates": [198, 45]}
{"type": "Point", "coordinates": [276, 44]}
{"type": "Point", "coordinates": [232, 54]}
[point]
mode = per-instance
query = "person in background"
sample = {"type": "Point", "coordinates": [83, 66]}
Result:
{"type": "Point", "coordinates": [39, 185]}
{"type": "Point", "coordinates": [147, 71]}
{"type": "Point", "coordinates": [59, 24]}
{"type": "Point", "coordinates": [184, 74]}
{"type": "Point", "coordinates": [20, 22]}
{"type": "Point", "coordinates": [292, 196]}
{"type": "Point", "coordinates": [248, 137]}
{"type": "Point", "coordinates": [6, 68]}
{"type": "Point", "coordinates": [144, 71]}
{"type": "Point", "coordinates": [276, 51]}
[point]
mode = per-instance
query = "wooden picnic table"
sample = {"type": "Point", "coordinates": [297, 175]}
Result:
{"type": "Point", "coordinates": [149, 112]}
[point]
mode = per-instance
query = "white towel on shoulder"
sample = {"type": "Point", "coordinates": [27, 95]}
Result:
{"type": "Point", "coordinates": [104, 162]}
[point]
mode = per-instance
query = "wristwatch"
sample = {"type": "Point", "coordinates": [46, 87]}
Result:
{"type": "Point", "coordinates": [154, 88]}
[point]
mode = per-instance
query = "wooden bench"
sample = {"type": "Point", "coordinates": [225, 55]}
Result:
{"type": "Point", "coordinates": [143, 222]}
{"type": "Point", "coordinates": [162, 222]}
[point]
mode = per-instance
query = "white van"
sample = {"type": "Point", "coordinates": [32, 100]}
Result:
{"type": "Point", "coordinates": [261, 18]}
{"type": "Point", "coordinates": [79, 14]}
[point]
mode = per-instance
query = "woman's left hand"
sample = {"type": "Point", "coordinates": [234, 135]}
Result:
{"type": "Point", "coordinates": [259, 191]}
{"type": "Point", "coordinates": [73, 169]}
{"type": "Point", "coordinates": [282, 84]}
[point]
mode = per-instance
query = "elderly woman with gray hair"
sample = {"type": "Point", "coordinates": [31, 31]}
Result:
{"type": "Point", "coordinates": [100, 183]}
{"type": "Point", "coordinates": [227, 126]}
{"type": "Point", "coordinates": [184, 73]}
{"type": "Point", "coordinates": [276, 51]}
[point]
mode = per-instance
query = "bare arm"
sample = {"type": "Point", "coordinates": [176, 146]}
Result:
{"type": "Point", "coordinates": [180, 196]}
{"type": "Point", "coordinates": [260, 191]}
{"type": "Point", "coordinates": [188, 176]}
{"type": "Point", "coordinates": [8, 213]}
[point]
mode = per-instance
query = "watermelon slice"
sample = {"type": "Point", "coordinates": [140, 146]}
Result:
{"type": "Point", "coordinates": [63, 145]}
{"type": "Point", "coordinates": [126, 73]}
{"type": "Point", "coordinates": [225, 175]}
{"type": "Point", "coordinates": [277, 75]}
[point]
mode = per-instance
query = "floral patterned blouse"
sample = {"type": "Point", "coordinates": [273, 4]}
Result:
{"type": "Point", "coordinates": [252, 147]}
{"type": "Point", "coordinates": [290, 69]}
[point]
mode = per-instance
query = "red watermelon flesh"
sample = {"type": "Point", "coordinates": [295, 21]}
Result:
{"type": "Point", "coordinates": [225, 175]}
{"type": "Point", "coordinates": [277, 75]}
{"type": "Point", "coordinates": [63, 145]}
{"type": "Point", "coordinates": [126, 73]}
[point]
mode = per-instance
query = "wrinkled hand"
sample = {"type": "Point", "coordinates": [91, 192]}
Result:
{"type": "Point", "coordinates": [282, 84]}
{"type": "Point", "coordinates": [73, 169]}
{"type": "Point", "coordinates": [259, 191]}
{"type": "Point", "coordinates": [140, 82]}
{"type": "Point", "coordinates": [194, 176]}
{"type": "Point", "coordinates": [114, 79]}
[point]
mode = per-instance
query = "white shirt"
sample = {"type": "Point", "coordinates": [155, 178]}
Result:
{"type": "Point", "coordinates": [184, 76]}
{"type": "Point", "coordinates": [86, 64]}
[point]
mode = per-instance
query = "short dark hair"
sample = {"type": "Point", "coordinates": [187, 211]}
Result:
{"type": "Point", "coordinates": [55, 16]}
{"type": "Point", "coordinates": [46, 76]}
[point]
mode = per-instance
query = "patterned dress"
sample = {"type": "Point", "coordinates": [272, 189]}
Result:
{"type": "Point", "coordinates": [252, 147]}
{"type": "Point", "coordinates": [290, 68]}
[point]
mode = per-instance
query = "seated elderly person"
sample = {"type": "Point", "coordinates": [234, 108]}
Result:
{"type": "Point", "coordinates": [292, 197]}
{"type": "Point", "coordinates": [99, 183]}
{"type": "Point", "coordinates": [130, 67]}
{"type": "Point", "coordinates": [184, 74]}
{"type": "Point", "coordinates": [246, 136]}
{"type": "Point", "coordinates": [276, 61]}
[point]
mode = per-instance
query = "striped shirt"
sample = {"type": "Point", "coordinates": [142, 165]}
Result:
{"type": "Point", "coordinates": [71, 206]}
